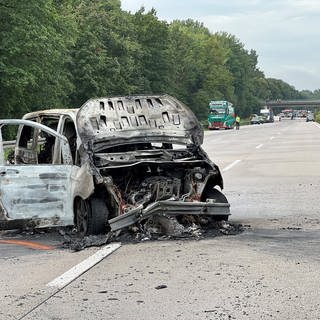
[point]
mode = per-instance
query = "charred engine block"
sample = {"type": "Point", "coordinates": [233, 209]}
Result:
{"type": "Point", "coordinates": [143, 185]}
{"type": "Point", "coordinates": [154, 189]}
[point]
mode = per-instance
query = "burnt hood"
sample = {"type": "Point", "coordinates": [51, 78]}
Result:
{"type": "Point", "coordinates": [128, 119]}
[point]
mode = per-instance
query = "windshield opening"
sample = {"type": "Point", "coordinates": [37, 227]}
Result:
{"type": "Point", "coordinates": [217, 111]}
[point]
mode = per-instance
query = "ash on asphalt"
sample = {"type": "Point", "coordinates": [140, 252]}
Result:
{"type": "Point", "coordinates": [69, 239]}
{"type": "Point", "coordinates": [141, 234]}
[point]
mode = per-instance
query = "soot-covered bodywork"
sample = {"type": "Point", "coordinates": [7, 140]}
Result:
{"type": "Point", "coordinates": [36, 191]}
{"type": "Point", "coordinates": [113, 163]}
{"type": "Point", "coordinates": [147, 159]}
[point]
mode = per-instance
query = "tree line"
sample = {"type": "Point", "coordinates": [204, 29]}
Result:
{"type": "Point", "coordinates": [59, 53]}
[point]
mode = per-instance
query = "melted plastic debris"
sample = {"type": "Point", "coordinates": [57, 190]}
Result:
{"type": "Point", "coordinates": [159, 228]}
{"type": "Point", "coordinates": [166, 228]}
{"type": "Point", "coordinates": [77, 243]}
{"type": "Point", "coordinates": [156, 228]}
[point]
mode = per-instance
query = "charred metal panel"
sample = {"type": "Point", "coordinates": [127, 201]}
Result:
{"type": "Point", "coordinates": [38, 192]}
{"type": "Point", "coordinates": [138, 116]}
{"type": "Point", "coordinates": [169, 208]}
{"type": "Point", "coordinates": [3, 213]}
{"type": "Point", "coordinates": [82, 181]}
{"type": "Point", "coordinates": [2, 160]}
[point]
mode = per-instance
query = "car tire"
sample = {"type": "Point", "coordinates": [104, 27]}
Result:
{"type": "Point", "coordinates": [90, 216]}
{"type": "Point", "coordinates": [220, 198]}
{"type": "Point", "coordinates": [99, 216]}
{"type": "Point", "coordinates": [82, 213]}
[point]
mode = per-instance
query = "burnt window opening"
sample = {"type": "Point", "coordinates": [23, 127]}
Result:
{"type": "Point", "coordinates": [138, 104]}
{"type": "Point", "coordinates": [125, 122]}
{"type": "Point", "coordinates": [69, 131]}
{"type": "Point", "coordinates": [46, 148]}
{"type": "Point", "coordinates": [120, 105]}
{"type": "Point", "coordinates": [117, 124]}
{"type": "Point", "coordinates": [50, 122]}
{"type": "Point", "coordinates": [110, 104]}
{"type": "Point", "coordinates": [150, 104]}
{"type": "Point", "coordinates": [29, 144]}
{"type": "Point", "coordinates": [130, 109]}
{"type": "Point", "coordinates": [159, 101]}
{"type": "Point", "coordinates": [134, 121]}
{"type": "Point", "coordinates": [47, 141]}
{"type": "Point", "coordinates": [25, 137]}
{"type": "Point", "coordinates": [165, 117]}
{"type": "Point", "coordinates": [102, 105]}
{"type": "Point", "coordinates": [176, 119]}
{"type": "Point", "coordinates": [103, 121]}
{"type": "Point", "coordinates": [142, 120]}
{"type": "Point", "coordinates": [152, 123]}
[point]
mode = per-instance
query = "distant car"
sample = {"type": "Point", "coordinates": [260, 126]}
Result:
{"type": "Point", "coordinates": [255, 119]}
{"type": "Point", "coordinates": [310, 117]}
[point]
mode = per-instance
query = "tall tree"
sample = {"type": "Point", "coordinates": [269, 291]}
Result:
{"type": "Point", "coordinates": [152, 59]}
{"type": "Point", "coordinates": [243, 66]}
{"type": "Point", "coordinates": [198, 66]}
{"type": "Point", "coordinates": [281, 90]}
{"type": "Point", "coordinates": [102, 61]}
{"type": "Point", "coordinates": [33, 54]}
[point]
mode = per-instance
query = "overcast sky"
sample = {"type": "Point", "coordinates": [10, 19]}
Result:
{"type": "Point", "coordinates": [284, 33]}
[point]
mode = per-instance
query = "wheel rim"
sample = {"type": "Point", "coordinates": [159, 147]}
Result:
{"type": "Point", "coordinates": [82, 214]}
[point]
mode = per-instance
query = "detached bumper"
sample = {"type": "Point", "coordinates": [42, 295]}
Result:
{"type": "Point", "coordinates": [169, 208]}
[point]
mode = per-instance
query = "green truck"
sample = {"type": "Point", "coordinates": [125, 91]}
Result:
{"type": "Point", "coordinates": [221, 115]}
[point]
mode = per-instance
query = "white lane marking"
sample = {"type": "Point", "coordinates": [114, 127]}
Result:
{"type": "Point", "coordinates": [271, 138]}
{"type": "Point", "coordinates": [83, 266]}
{"type": "Point", "coordinates": [231, 165]}
{"type": "Point", "coordinates": [316, 124]}
{"type": "Point", "coordinates": [259, 146]}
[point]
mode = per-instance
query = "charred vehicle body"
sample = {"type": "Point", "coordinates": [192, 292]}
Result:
{"type": "Point", "coordinates": [112, 163]}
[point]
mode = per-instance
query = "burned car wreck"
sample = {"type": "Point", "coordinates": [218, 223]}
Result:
{"type": "Point", "coordinates": [113, 163]}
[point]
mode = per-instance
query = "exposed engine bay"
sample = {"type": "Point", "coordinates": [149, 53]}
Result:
{"type": "Point", "coordinates": [144, 184]}
{"type": "Point", "coordinates": [138, 179]}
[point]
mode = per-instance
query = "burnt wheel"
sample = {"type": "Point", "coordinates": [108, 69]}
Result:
{"type": "Point", "coordinates": [82, 214]}
{"type": "Point", "coordinates": [99, 216]}
{"type": "Point", "coordinates": [90, 216]}
{"type": "Point", "coordinates": [218, 197]}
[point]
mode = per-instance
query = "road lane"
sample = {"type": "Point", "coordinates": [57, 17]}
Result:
{"type": "Point", "coordinates": [270, 271]}
{"type": "Point", "coordinates": [281, 178]}
{"type": "Point", "coordinates": [231, 165]}
{"type": "Point", "coordinates": [82, 267]}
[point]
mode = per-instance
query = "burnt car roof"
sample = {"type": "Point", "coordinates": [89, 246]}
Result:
{"type": "Point", "coordinates": [139, 118]}
{"type": "Point", "coordinates": [54, 112]}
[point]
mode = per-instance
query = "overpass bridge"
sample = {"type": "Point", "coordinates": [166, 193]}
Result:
{"type": "Point", "coordinates": [294, 104]}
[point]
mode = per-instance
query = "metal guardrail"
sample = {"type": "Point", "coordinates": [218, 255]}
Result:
{"type": "Point", "coordinates": [9, 144]}
{"type": "Point", "coordinates": [12, 143]}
